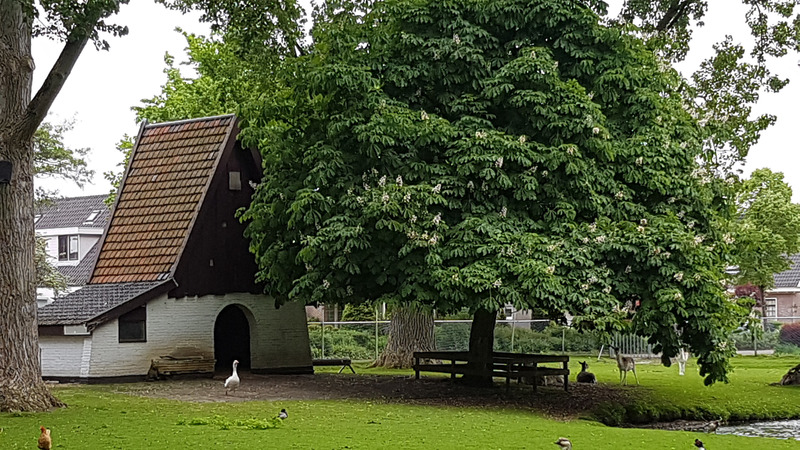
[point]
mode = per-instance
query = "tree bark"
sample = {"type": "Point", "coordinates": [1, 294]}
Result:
{"type": "Point", "coordinates": [410, 330]}
{"type": "Point", "coordinates": [21, 385]}
{"type": "Point", "coordinates": [792, 377]}
{"type": "Point", "coordinates": [673, 14]}
{"type": "Point", "coordinates": [481, 346]}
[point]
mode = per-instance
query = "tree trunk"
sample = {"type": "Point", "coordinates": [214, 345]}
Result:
{"type": "Point", "coordinates": [410, 330]}
{"type": "Point", "coordinates": [792, 377]}
{"type": "Point", "coordinates": [21, 385]}
{"type": "Point", "coordinates": [481, 346]}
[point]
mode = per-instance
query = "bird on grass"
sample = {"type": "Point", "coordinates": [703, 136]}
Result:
{"type": "Point", "coordinates": [564, 443]}
{"type": "Point", "coordinates": [283, 414]}
{"type": "Point", "coordinates": [232, 383]}
{"type": "Point", "coordinates": [699, 444]}
{"type": "Point", "coordinates": [45, 442]}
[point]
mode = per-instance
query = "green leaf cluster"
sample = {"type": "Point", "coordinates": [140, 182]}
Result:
{"type": "Point", "coordinates": [474, 154]}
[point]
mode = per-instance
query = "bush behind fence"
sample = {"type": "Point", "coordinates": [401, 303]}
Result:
{"type": "Point", "coordinates": [365, 340]}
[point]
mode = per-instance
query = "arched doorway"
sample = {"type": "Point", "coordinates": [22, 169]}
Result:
{"type": "Point", "coordinates": [232, 338]}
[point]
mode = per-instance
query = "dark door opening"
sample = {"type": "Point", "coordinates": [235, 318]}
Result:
{"type": "Point", "coordinates": [232, 338]}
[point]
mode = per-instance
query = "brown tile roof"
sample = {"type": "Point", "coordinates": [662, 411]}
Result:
{"type": "Point", "coordinates": [170, 168]}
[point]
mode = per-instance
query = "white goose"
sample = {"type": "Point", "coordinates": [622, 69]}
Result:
{"type": "Point", "coordinates": [233, 381]}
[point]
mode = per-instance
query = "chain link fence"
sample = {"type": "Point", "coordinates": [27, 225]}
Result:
{"type": "Point", "coordinates": [365, 340]}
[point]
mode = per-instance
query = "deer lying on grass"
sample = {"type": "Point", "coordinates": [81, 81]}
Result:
{"type": "Point", "coordinates": [584, 376]}
{"type": "Point", "coordinates": [626, 364]}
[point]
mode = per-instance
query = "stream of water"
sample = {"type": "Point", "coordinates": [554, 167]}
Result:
{"type": "Point", "coordinates": [782, 429]}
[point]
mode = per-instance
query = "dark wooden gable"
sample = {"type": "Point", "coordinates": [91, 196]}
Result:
{"type": "Point", "coordinates": [216, 259]}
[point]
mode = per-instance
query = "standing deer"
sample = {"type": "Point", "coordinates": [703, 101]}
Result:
{"type": "Point", "coordinates": [682, 357]}
{"type": "Point", "coordinates": [626, 364]}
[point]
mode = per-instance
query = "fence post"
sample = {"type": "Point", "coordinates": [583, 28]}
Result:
{"type": "Point", "coordinates": [563, 337]}
{"type": "Point", "coordinates": [513, 328]}
{"type": "Point", "coordinates": [376, 332]}
{"type": "Point", "coordinates": [323, 334]}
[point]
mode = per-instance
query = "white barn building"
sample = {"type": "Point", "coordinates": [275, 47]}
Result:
{"type": "Point", "coordinates": [173, 275]}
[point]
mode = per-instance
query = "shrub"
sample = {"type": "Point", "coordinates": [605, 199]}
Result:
{"type": "Point", "coordinates": [744, 340]}
{"type": "Point", "coordinates": [787, 349]}
{"type": "Point", "coordinates": [452, 336]}
{"type": "Point", "coordinates": [356, 342]}
{"type": "Point", "coordinates": [790, 334]}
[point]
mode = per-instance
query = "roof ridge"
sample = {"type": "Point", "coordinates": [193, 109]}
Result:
{"type": "Point", "coordinates": [79, 197]}
{"type": "Point", "coordinates": [184, 121]}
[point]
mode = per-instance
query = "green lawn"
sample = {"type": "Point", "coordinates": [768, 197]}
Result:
{"type": "Point", "coordinates": [664, 395]}
{"type": "Point", "coordinates": [97, 419]}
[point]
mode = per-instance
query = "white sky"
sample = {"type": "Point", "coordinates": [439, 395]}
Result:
{"type": "Point", "coordinates": [104, 86]}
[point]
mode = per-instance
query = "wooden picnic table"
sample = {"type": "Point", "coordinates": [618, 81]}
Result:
{"type": "Point", "coordinates": [503, 364]}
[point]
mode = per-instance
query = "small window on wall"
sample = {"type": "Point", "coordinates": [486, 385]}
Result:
{"type": "Point", "coordinates": [770, 307]}
{"type": "Point", "coordinates": [132, 326]}
{"type": "Point", "coordinates": [68, 248]}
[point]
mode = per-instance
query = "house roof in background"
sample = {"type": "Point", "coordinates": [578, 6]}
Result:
{"type": "Point", "coordinates": [171, 166]}
{"type": "Point", "coordinates": [73, 212]}
{"type": "Point", "coordinates": [78, 275]}
{"type": "Point", "coordinates": [791, 277]}
{"type": "Point", "coordinates": [91, 301]}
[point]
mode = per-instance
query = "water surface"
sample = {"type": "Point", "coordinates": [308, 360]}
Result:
{"type": "Point", "coordinates": [782, 429]}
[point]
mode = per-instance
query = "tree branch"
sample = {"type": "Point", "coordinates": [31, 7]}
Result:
{"type": "Point", "coordinates": [40, 104]}
{"type": "Point", "coordinates": [675, 12]}
{"type": "Point", "coordinates": [38, 107]}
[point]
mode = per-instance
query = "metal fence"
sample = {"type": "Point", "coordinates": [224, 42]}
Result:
{"type": "Point", "coordinates": [365, 340]}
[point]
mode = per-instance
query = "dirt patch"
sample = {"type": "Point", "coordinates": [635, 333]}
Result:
{"type": "Point", "coordinates": [550, 400]}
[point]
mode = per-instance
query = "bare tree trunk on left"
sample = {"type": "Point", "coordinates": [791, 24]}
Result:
{"type": "Point", "coordinates": [21, 385]}
{"type": "Point", "coordinates": [410, 330]}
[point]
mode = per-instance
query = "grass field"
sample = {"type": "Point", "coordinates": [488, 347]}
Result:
{"type": "Point", "coordinates": [98, 419]}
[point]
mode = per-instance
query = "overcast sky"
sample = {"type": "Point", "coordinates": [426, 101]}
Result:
{"type": "Point", "coordinates": [105, 85]}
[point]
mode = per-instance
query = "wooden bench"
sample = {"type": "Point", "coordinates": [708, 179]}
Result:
{"type": "Point", "coordinates": [180, 365]}
{"type": "Point", "coordinates": [503, 365]}
{"type": "Point", "coordinates": [344, 362]}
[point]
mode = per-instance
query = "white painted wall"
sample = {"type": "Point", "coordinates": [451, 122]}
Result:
{"type": "Point", "coordinates": [63, 356]}
{"type": "Point", "coordinates": [278, 337]}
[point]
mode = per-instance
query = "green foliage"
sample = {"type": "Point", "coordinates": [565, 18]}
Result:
{"type": "Point", "coordinates": [223, 423]}
{"type": "Point", "coordinates": [728, 83]}
{"type": "Point", "coordinates": [124, 146]}
{"type": "Point", "coordinates": [66, 20]}
{"type": "Point", "coordinates": [46, 273]}
{"type": "Point", "coordinates": [354, 341]}
{"type": "Point", "coordinates": [461, 314]}
{"type": "Point", "coordinates": [787, 349]}
{"type": "Point", "coordinates": [473, 154]}
{"type": "Point", "coordinates": [744, 340]}
{"type": "Point", "coordinates": [53, 159]}
{"type": "Point", "coordinates": [224, 81]}
{"type": "Point", "coordinates": [452, 336]}
{"type": "Point", "coordinates": [767, 231]}
{"type": "Point", "coordinates": [549, 340]}
{"type": "Point", "coordinates": [790, 334]}
{"type": "Point", "coordinates": [360, 312]}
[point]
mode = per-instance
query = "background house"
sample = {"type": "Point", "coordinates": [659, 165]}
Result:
{"type": "Point", "coordinates": [174, 275]}
{"type": "Point", "coordinates": [71, 228]}
{"type": "Point", "coordinates": [782, 303]}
